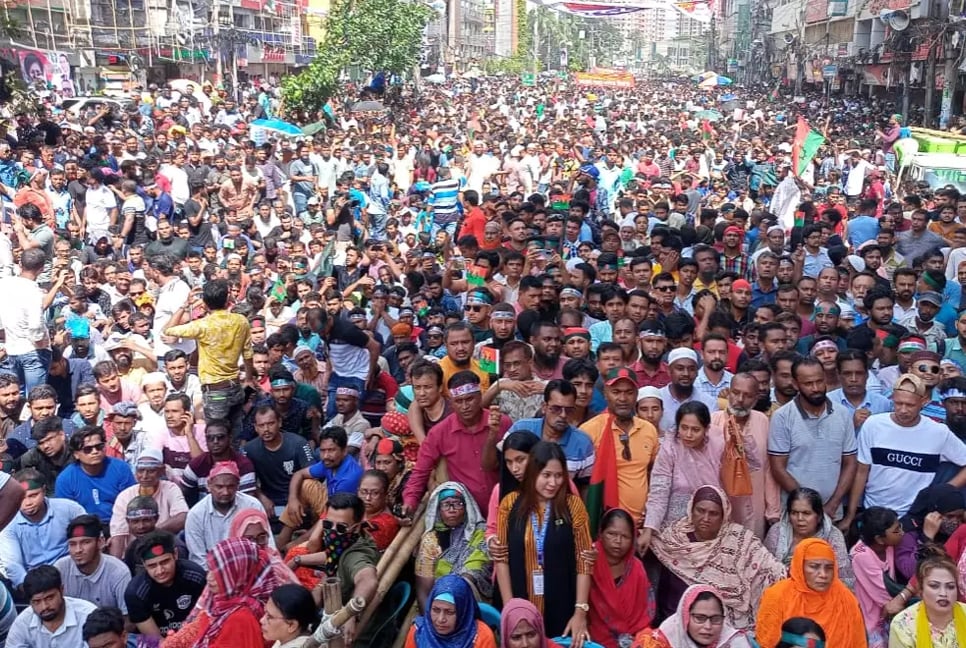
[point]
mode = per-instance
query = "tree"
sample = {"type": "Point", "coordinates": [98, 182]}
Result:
{"type": "Point", "coordinates": [376, 35]}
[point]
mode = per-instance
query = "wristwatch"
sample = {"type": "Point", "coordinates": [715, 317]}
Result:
{"type": "Point", "coordinates": [582, 606]}
{"type": "Point", "coordinates": [298, 561]}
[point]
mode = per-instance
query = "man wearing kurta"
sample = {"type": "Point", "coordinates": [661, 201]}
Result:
{"type": "Point", "coordinates": [764, 503]}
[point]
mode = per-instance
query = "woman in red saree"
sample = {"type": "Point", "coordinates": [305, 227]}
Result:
{"type": "Point", "coordinates": [620, 601]}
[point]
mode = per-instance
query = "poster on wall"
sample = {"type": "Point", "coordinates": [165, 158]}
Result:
{"type": "Point", "coordinates": [51, 68]}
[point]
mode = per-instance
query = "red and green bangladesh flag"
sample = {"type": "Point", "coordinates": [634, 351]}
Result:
{"type": "Point", "coordinates": [476, 275]}
{"type": "Point", "coordinates": [602, 493]}
{"type": "Point", "coordinates": [490, 360]}
{"type": "Point", "coordinates": [805, 145]}
{"type": "Point", "coordinates": [278, 292]}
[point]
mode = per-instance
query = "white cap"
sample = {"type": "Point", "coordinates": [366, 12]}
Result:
{"type": "Point", "coordinates": [648, 392]}
{"type": "Point", "coordinates": [682, 354]}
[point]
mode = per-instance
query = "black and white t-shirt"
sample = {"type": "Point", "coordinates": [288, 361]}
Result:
{"type": "Point", "coordinates": [348, 349]}
{"type": "Point", "coordinates": [904, 460]}
{"type": "Point", "coordinates": [168, 606]}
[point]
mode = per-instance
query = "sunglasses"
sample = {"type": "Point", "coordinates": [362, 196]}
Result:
{"type": "Point", "coordinates": [561, 410]}
{"type": "Point", "coordinates": [340, 527]}
{"type": "Point", "coordinates": [665, 288]}
{"type": "Point", "coordinates": [626, 442]}
{"type": "Point", "coordinates": [930, 368]}
{"type": "Point", "coordinates": [216, 437]}
{"type": "Point", "coordinates": [473, 308]}
{"type": "Point", "coordinates": [91, 449]}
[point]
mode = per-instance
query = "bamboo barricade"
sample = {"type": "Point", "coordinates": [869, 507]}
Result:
{"type": "Point", "coordinates": [400, 550]}
{"type": "Point", "coordinates": [332, 603]}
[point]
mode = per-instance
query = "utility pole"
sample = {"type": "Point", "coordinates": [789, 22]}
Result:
{"type": "Point", "coordinates": [927, 104]}
{"type": "Point", "coordinates": [216, 32]}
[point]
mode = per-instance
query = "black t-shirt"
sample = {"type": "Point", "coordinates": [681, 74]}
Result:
{"type": "Point", "coordinates": [78, 193]}
{"type": "Point", "coordinates": [275, 469]}
{"type": "Point", "coordinates": [168, 606]}
{"type": "Point", "coordinates": [348, 350]}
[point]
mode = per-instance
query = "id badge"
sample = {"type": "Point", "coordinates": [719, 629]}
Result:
{"type": "Point", "coordinates": [538, 583]}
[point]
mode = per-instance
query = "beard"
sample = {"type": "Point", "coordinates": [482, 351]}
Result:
{"type": "Point", "coordinates": [740, 412]}
{"type": "Point", "coordinates": [957, 425]}
{"type": "Point", "coordinates": [546, 359]}
{"type": "Point", "coordinates": [813, 399]}
{"type": "Point", "coordinates": [763, 404]}
{"type": "Point", "coordinates": [716, 365]}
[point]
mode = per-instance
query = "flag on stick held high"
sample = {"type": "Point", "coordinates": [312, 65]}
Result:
{"type": "Point", "coordinates": [805, 145]}
{"type": "Point", "coordinates": [490, 360]}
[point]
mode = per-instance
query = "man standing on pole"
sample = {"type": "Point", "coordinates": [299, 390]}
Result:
{"type": "Point", "coordinates": [222, 338]}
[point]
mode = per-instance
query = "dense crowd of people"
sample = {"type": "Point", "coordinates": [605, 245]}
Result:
{"type": "Point", "coordinates": [630, 369]}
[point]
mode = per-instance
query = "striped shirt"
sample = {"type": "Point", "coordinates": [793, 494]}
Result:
{"type": "Point", "coordinates": [444, 197]}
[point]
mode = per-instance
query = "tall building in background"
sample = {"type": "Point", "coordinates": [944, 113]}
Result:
{"type": "Point", "coordinates": [504, 27]}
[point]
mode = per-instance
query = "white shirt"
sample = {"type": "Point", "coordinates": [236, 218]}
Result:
{"type": "Point", "coordinates": [180, 192]}
{"type": "Point", "coordinates": [205, 527]}
{"type": "Point", "coordinates": [172, 296]}
{"type": "Point", "coordinates": [97, 211]}
{"type": "Point", "coordinates": [904, 460]}
{"type": "Point", "coordinates": [22, 315]}
{"type": "Point", "coordinates": [28, 631]}
{"type": "Point", "coordinates": [856, 180]}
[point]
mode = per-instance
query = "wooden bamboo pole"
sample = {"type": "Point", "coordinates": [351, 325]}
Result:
{"type": "Point", "coordinates": [332, 602]}
{"type": "Point", "coordinates": [388, 579]}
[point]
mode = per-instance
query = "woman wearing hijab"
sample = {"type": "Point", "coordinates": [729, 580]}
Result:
{"type": "Point", "coordinates": [706, 548]}
{"type": "Point", "coordinates": [813, 590]}
{"type": "Point", "coordinates": [698, 623]}
{"type": "Point", "coordinates": [454, 543]}
{"type": "Point", "coordinates": [240, 581]}
{"type": "Point", "coordinates": [618, 578]}
{"type": "Point", "coordinates": [938, 620]}
{"type": "Point", "coordinates": [451, 619]}
{"type": "Point", "coordinates": [521, 626]}
{"type": "Point", "coordinates": [934, 516]}
{"type": "Point", "coordinates": [253, 524]}
{"type": "Point", "coordinates": [805, 517]}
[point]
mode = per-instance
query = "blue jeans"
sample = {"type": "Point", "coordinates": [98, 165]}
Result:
{"type": "Point", "coordinates": [30, 368]}
{"type": "Point", "coordinates": [335, 382]}
{"type": "Point", "coordinates": [449, 228]}
{"type": "Point", "coordinates": [301, 201]}
{"type": "Point", "coordinates": [377, 227]}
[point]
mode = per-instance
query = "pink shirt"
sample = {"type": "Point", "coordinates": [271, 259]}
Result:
{"type": "Point", "coordinates": [462, 447]}
{"type": "Point", "coordinates": [176, 451]}
{"type": "Point", "coordinates": [128, 392]}
{"type": "Point", "coordinates": [170, 501]}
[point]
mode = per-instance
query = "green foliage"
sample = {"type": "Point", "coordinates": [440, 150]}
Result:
{"type": "Point", "coordinates": [556, 30]}
{"type": "Point", "coordinates": [524, 29]}
{"type": "Point", "coordinates": [376, 35]}
{"type": "Point", "coordinates": [513, 65]}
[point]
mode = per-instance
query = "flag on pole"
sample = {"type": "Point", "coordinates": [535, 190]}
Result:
{"type": "Point", "coordinates": [805, 145]}
{"type": "Point", "coordinates": [601, 495]}
{"type": "Point", "coordinates": [490, 360]}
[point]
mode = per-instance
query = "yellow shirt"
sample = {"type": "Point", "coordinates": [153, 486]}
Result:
{"type": "Point", "coordinates": [449, 368]}
{"type": "Point", "coordinates": [222, 338]}
{"type": "Point", "coordinates": [632, 475]}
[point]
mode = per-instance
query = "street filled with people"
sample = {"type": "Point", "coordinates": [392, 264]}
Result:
{"type": "Point", "coordinates": [487, 363]}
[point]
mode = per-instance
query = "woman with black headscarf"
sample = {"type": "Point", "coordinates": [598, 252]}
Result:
{"type": "Point", "coordinates": [934, 515]}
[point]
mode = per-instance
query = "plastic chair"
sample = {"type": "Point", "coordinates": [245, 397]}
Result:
{"type": "Point", "coordinates": [392, 609]}
{"type": "Point", "coordinates": [491, 617]}
{"type": "Point", "coordinates": [564, 642]}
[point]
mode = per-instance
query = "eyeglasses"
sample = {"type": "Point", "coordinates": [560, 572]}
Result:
{"type": "Point", "coordinates": [475, 308]}
{"type": "Point", "coordinates": [626, 442]}
{"type": "Point", "coordinates": [366, 494]}
{"type": "Point", "coordinates": [713, 619]}
{"type": "Point", "coordinates": [930, 368]}
{"type": "Point", "coordinates": [340, 527]}
{"type": "Point", "coordinates": [561, 410]}
{"type": "Point", "coordinates": [91, 449]}
{"type": "Point", "coordinates": [665, 288]}
{"type": "Point", "coordinates": [452, 505]}
{"type": "Point", "coordinates": [216, 437]}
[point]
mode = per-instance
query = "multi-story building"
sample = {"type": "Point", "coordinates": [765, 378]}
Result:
{"type": "Point", "coordinates": [111, 45]}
